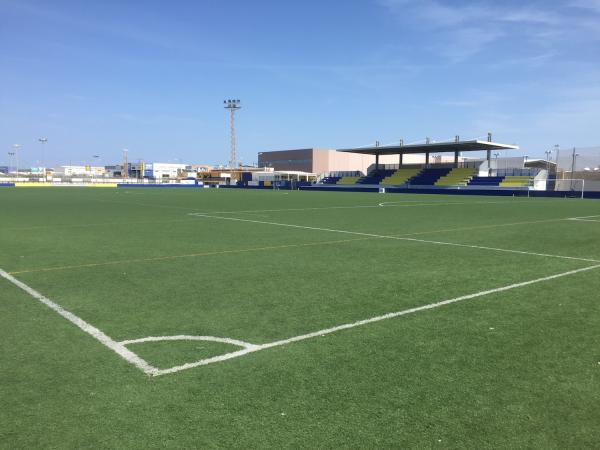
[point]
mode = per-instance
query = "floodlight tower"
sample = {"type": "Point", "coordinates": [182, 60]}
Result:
{"type": "Point", "coordinates": [11, 159]}
{"type": "Point", "coordinates": [232, 106]}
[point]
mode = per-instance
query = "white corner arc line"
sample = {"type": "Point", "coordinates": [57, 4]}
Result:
{"type": "Point", "coordinates": [398, 238]}
{"type": "Point", "coordinates": [104, 339]}
{"type": "Point", "coordinates": [131, 357]}
{"type": "Point", "coordinates": [185, 337]}
{"type": "Point", "coordinates": [326, 331]}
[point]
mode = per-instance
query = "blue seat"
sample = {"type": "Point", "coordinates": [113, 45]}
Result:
{"type": "Point", "coordinates": [375, 176]}
{"type": "Point", "coordinates": [486, 181]}
{"type": "Point", "coordinates": [428, 177]}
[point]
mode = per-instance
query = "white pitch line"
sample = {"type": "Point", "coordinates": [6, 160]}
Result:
{"type": "Point", "coordinates": [400, 204]}
{"type": "Point", "coordinates": [116, 347]}
{"type": "Point", "coordinates": [398, 238]}
{"type": "Point", "coordinates": [584, 218]}
{"type": "Point", "coordinates": [184, 337]}
{"type": "Point", "coordinates": [120, 349]}
{"type": "Point", "coordinates": [326, 331]}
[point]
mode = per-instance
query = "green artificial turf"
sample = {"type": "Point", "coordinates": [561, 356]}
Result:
{"type": "Point", "coordinates": [513, 369]}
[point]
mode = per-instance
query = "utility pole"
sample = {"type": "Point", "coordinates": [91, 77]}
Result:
{"type": "Point", "coordinates": [232, 106]}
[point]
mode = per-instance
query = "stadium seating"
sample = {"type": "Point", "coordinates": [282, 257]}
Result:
{"type": "Point", "coordinates": [485, 181]}
{"type": "Point", "coordinates": [400, 176]}
{"type": "Point", "coordinates": [459, 176]}
{"type": "Point", "coordinates": [375, 176]}
{"type": "Point", "coordinates": [428, 177]}
{"type": "Point", "coordinates": [330, 180]}
{"type": "Point", "coordinates": [517, 181]}
{"type": "Point", "coordinates": [348, 180]}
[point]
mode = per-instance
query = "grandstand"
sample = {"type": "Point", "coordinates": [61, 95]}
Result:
{"type": "Point", "coordinates": [443, 174]}
{"type": "Point", "coordinates": [448, 174]}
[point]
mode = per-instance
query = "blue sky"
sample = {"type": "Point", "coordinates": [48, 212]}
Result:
{"type": "Point", "coordinates": [95, 77]}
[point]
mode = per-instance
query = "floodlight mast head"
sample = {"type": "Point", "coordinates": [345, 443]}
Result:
{"type": "Point", "coordinates": [16, 148]}
{"type": "Point", "coordinates": [232, 105]}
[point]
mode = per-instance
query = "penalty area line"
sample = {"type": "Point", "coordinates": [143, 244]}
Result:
{"type": "Point", "coordinates": [335, 329]}
{"type": "Point", "coordinates": [398, 238]}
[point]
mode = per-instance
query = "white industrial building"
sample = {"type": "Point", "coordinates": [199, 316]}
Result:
{"type": "Point", "coordinates": [164, 170]}
{"type": "Point", "coordinates": [82, 171]}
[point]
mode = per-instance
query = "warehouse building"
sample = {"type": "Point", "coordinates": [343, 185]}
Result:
{"type": "Point", "coordinates": [319, 161]}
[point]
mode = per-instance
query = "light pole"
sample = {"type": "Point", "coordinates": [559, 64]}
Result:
{"type": "Point", "coordinates": [232, 106]}
{"type": "Point", "coordinates": [573, 161]}
{"type": "Point", "coordinates": [94, 158]}
{"type": "Point", "coordinates": [10, 158]}
{"type": "Point", "coordinates": [548, 153]}
{"type": "Point", "coordinates": [16, 152]}
{"type": "Point", "coordinates": [43, 141]}
{"type": "Point", "coordinates": [125, 171]}
{"type": "Point", "coordinates": [557, 152]}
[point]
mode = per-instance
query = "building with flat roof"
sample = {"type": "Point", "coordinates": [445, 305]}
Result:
{"type": "Point", "coordinates": [315, 160]}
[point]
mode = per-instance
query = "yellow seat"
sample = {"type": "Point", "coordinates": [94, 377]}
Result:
{"type": "Point", "coordinates": [348, 180]}
{"type": "Point", "coordinates": [458, 176]}
{"type": "Point", "coordinates": [400, 176]}
{"type": "Point", "coordinates": [516, 181]}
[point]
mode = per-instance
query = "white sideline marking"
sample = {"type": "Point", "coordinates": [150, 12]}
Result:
{"type": "Point", "coordinates": [399, 238]}
{"type": "Point", "coordinates": [116, 347]}
{"type": "Point", "coordinates": [398, 204]}
{"type": "Point", "coordinates": [585, 220]}
{"type": "Point", "coordinates": [302, 337]}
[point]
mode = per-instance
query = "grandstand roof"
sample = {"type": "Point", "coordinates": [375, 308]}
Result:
{"type": "Point", "coordinates": [433, 147]}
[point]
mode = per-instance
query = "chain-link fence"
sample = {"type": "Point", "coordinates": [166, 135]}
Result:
{"type": "Point", "coordinates": [577, 163]}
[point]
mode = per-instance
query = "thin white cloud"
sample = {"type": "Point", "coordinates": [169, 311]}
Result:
{"type": "Point", "coordinates": [593, 5]}
{"type": "Point", "coordinates": [464, 30]}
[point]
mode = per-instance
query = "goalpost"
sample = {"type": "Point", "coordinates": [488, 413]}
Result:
{"type": "Point", "coordinates": [572, 187]}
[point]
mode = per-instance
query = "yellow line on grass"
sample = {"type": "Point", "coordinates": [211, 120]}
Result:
{"type": "Point", "coordinates": [190, 255]}
{"type": "Point", "coordinates": [274, 247]}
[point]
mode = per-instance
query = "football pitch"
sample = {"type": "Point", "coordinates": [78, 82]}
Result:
{"type": "Point", "coordinates": [206, 318]}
